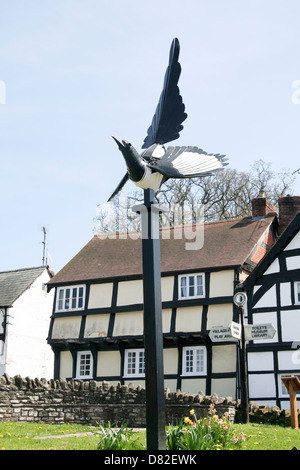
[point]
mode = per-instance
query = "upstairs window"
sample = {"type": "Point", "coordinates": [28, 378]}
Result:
{"type": "Point", "coordinates": [134, 363]}
{"type": "Point", "coordinates": [70, 298]}
{"type": "Point", "coordinates": [194, 360]}
{"type": "Point", "coordinates": [297, 292]}
{"type": "Point", "coordinates": [84, 369]}
{"type": "Point", "coordinates": [191, 286]}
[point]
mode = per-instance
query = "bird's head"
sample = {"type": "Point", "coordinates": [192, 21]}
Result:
{"type": "Point", "coordinates": [136, 166]}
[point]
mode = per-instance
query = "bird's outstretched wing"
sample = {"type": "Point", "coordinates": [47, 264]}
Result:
{"type": "Point", "coordinates": [119, 187]}
{"type": "Point", "coordinates": [170, 111]}
{"type": "Point", "coordinates": [183, 162]}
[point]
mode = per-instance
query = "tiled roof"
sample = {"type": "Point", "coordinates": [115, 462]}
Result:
{"type": "Point", "coordinates": [226, 244]}
{"type": "Point", "coordinates": [14, 283]}
{"type": "Point", "coordinates": [285, 238]}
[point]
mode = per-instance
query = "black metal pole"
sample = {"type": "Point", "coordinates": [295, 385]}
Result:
{"type": "Point", "coordinates": [244, 373]}
{"type": "Point", "coordinates": [153, 336]}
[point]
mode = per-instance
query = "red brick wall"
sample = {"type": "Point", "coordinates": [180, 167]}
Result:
{"type": "Point", "coordinates": [289, 206]}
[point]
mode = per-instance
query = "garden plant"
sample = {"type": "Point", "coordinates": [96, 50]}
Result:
{"type": "Point", "coordinates": [208, 433]}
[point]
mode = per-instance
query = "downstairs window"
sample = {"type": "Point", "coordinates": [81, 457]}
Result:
{"type": "Point", "coordinates": [194, 360]}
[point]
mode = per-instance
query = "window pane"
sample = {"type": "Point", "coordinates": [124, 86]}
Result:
{"type": "Point", "coordinates": [141, 362]}
{"type": "Point", "coordinates": [199, 285]}
{"type": "Point", "coordinates": [191, 286]}
{"type": "Point", "coordinates": [74, 297]}
{"type": "Point", "coordinates": [80, 297]}
{"type": "Point", "coordinates": [189, 360]}
{"type": "Point", "coordinates": [60, 299]}
{"type": "Point", "coordinates": [194, 360]}
{"type": "Point", "coordinates": [183, 290]}
{"type": "Point", "coordinates": [85, 365]}
{"type": "Point", "coordinates": [67, 299]}
{"type": "Point", "coordinates": [199, 360]}
{"type": "Point", "coordinates": [131, 363]}
{"type": "Point", "coordinates": [298, 292]}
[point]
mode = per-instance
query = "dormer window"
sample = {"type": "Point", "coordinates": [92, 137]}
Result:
{"type": "Point", "coordinates": [70, 298]}
{"type": "Point", "coordinates": [191, 286]}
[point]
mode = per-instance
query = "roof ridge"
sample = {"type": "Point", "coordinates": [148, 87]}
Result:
{"type": "Point", "coordinates": [22, 269]}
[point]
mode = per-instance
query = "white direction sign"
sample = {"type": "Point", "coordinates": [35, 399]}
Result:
{"type": "Point", "coordinates": [259, 331]}
{"type": "Point", "coordinates": [220, 333]}
{"type": "Point", "coordinates": [235, 330]}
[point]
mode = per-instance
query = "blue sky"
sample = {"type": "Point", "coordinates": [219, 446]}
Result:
{"type": "Point", "coordinates": [77, 72]}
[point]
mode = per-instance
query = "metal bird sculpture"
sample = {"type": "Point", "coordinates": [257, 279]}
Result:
{"type": "Point", "coordinates": [156, 164]}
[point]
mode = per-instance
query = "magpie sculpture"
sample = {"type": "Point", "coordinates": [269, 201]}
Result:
{"type": "Point", "coordinates": [156, 163]}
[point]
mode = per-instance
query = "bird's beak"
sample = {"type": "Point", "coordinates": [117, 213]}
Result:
{"type": "Point", "coordinates": [120, 143]}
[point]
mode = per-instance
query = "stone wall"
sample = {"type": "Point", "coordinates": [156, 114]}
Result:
{"type": "Point", "coordinates": [269, 415]}
{"type": "Point", "coordinates": [75, 401]}
{"type": "Point", "coordinates": [87, 402]}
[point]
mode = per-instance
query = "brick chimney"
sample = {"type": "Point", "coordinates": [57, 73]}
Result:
{"type": "Point", "coordinates": [289, 206]}
{"type": "Point", "coordinates": [262, 207]}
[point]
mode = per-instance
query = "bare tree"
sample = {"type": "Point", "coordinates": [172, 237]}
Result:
{"type": "Point", "coordinates": [228, 193]}
{"type": "Point", "coordinates": [224, 195]}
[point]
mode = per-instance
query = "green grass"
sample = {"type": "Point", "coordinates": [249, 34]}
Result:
{"type": "Point", "coordinates": [269, 437]}
{"type": "Point", "coordinates": [31, 436]}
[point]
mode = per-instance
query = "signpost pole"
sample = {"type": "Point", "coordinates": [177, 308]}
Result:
{"type": "Point", "coordinates": [240, 298]}
{"type": "Point", "coordinates": [244, 372]}
{"type": "Point", "coordinates": [153, 336]}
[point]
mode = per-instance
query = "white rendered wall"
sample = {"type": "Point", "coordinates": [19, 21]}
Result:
{"type": "Point", "coordinates": [27, 351]}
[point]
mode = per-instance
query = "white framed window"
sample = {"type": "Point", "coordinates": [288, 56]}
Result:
{"type": "Point", "coordinates": [134, 365]}
{"type": "Point", "coordinates": [283, 391]}
{"type": "Point", "coordinates": [191, 286]}
{"type": "Point", "coordinates": [297, 292]}
{"type": "Point", "coordinates": [194, 360]}
{"type": "Point", "coordinates": [70, 298]}
{"type": "Point", "coordinates": [84, 366]}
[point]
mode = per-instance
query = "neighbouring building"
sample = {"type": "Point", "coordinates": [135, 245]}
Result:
{"type": "Point", "coordinates": [25, 311]}
{"type": "Point", "coordinates": [273, 292]}
{"type": "Point", "coordinates": [96, 328]}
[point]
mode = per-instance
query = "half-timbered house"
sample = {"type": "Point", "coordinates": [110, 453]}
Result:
{"type": "Point", "coordinates": [273, 292]}
{"type": "Point", "coordinates": [96, 329]}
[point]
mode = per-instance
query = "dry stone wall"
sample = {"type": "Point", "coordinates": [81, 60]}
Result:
{"type": "Point", "coordinates": [87, 402]}
{"type": "Point", "coordinates": [91, 403]}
